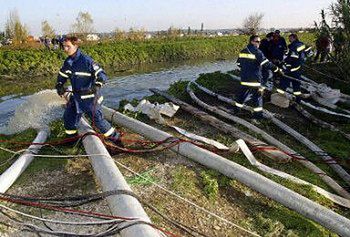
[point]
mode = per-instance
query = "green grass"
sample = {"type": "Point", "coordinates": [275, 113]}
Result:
{"type": "Point", "coordinates": [13, 143]}
{"type": "Point", "coordinates": [184, 180]}
{"type": "Point", "coordinates": [28, 70]}
{"type": "Point", "coordinates": [39, 164]}
{"type": "Point", "coordinates": [210, 183]}
{"type": "Point", "coordinates": [136, 180]}
{"type": "Point", "coordinates": [178, 89]}
{"type": "Point", "coordinates": [269, 217]}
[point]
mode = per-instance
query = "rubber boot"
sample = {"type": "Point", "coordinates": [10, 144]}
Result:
{"type": "Point", "coordinates": [257, 117]}
{"type": "Point", "coordinates": [115, 139]}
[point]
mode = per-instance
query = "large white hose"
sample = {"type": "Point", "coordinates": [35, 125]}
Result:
{"type": "Point", "coordinates": [249, 155]}
{"type": "Point", "coordinates": [16, 169]}
{"type": "Point", "coordinates": [111, 179]}
{"type": "Point", "coordinates": [259, 183]}
{"type": "Point", "coordinates": [299, 137]}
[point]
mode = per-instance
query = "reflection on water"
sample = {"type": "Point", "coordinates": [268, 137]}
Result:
{"type": "Point", "coordinates": [120, 87]}
{"type": "Point", "coordinates": [137, 86]}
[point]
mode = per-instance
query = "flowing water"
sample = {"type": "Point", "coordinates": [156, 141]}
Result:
{"type": "Point", "coordinates": [36, 111]}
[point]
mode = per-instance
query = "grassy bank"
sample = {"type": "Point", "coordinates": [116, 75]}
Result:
{"type": "Point", "coordinates": [271, 218]}
{"type": "Point", "coordinates": [121, 53]}
{"type": "Point", "coordinates": [29, 70]}
{"type": "Point", "coordinates": [226, 197]}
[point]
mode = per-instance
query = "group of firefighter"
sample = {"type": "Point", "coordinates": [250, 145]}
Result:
{"type": "Point", "coordinates": [263, 60]}
{"type": "Point", "coordinates": [258, 61]}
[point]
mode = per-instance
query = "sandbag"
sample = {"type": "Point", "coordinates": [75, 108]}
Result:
{"type": "Point", "coordinates": [280, 100]}
{"type": "Point", "coordinates": [154, 111]}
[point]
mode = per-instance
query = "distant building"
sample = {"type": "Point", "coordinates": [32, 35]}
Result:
{"type": "Point", "coordinates": [30, 38]}
{"type": "Point", "coordinates": [148, 36]}
{"type": "Point", "coordinates": [7, 42]}
{"type": "Point", "coordinates": [92, 37]}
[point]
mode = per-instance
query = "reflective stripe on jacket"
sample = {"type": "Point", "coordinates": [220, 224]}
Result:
{"type": "Point", "coordinates": [82, 71]}
{"type": "Point", "coordinates": [295, 57]}
{"type": "Point", "coordinates": [252, 60]}
{"type": "Point", "coordinates": [83, 74]}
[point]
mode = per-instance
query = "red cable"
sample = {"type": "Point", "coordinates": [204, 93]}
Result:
{"type": "Point", "coordinates": [294, 157]}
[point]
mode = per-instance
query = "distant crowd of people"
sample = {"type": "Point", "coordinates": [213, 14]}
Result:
{"type": "Point", "coordinates": [52, 43]}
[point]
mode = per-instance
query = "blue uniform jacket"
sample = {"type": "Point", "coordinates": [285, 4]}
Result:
{"type": "Point", "coordinates": [252, 60]}
{"type": "Point", "coordinates": [295, 57]}
{"type": "Point", "coordinates": [278, 48]}
{"type": "Point", "coordinates": [83, 74]}
{"type": "Point", "coordinates": [265, 47]}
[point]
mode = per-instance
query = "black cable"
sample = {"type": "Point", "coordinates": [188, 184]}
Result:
{"type": "Point", "coordinates": [36, 229]}
{"type": "Point", "coordinates": [174, 222]}
{"type": "Point", "coordinates": [73, 200]}
{"type": "Point", "coordinates": [45, 224]}
{"type": "Point", "coordinates": [83, 199]}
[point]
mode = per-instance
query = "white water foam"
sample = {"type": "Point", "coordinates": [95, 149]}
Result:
{"type": "Point", "coordinates": [36, 112]}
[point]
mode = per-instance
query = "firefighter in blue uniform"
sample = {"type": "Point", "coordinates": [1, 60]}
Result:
{"type": "Point", "coordinates": [265, 47]}
{"type": "Point", "coordinates": [251, 61]}
{"type": "Point", "coordinates": [86, 78]}
{"type": "Point", "coordinates": [278, 48]}
{"type": "Point", "coordinates": [295, 58]}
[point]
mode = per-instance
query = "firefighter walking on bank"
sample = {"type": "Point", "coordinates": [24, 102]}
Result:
{"type": "Point", "coordinates": [251, 60]}
{"type": "Point", "coordinates": [86, 78]}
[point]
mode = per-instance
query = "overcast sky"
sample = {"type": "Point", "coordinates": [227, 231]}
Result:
{"type": "Point", "coordinates": [161, 14]}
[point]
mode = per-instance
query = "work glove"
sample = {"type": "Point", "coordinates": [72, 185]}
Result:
{"type": "Point", "coordinates": [280, 72]}
{"type": "Point", "coordinates": [60, 89]}
{"type": "Point", "coordinates": [97, 85]}
{"type": "Point", "coordinates": [261, 90]}
{"type": "Point", "coordinates": [96, 88]}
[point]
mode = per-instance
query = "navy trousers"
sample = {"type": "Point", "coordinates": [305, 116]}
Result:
{"type": "Point", "coordinates": [247, 93]}
{"type": "Point", "coordinates": [296, 85]}
{"type": "Point", "coordinates": [76, 108]}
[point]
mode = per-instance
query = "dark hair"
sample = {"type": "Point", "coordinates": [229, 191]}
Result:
{"type": "Point", "coordinates": [73, 39]}
{"type": "Point", "coordinates": [294, 36]}
{"type": "Point", "coordinates": [269, 35]}
{"type": "Point", "coordinates": [253, 37]}
{"type": "Point", "coordinates": [277, 31]}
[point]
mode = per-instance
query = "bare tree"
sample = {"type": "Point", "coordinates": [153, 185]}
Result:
{"type": "Point", "coordinates": [136, 35]}
{"type": "Point", "coordinates": [119, 34]}
{"type": "Point", "coordinates": [83, 24]}
{"type": "Point", "coordinates": [47, 29]}
{"type": "Point", "coordinates": [14, 29]}
{"type": "Point", "coordinates": [252, 24]}
{"type": "Point", "coordinates": [173, 32]}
